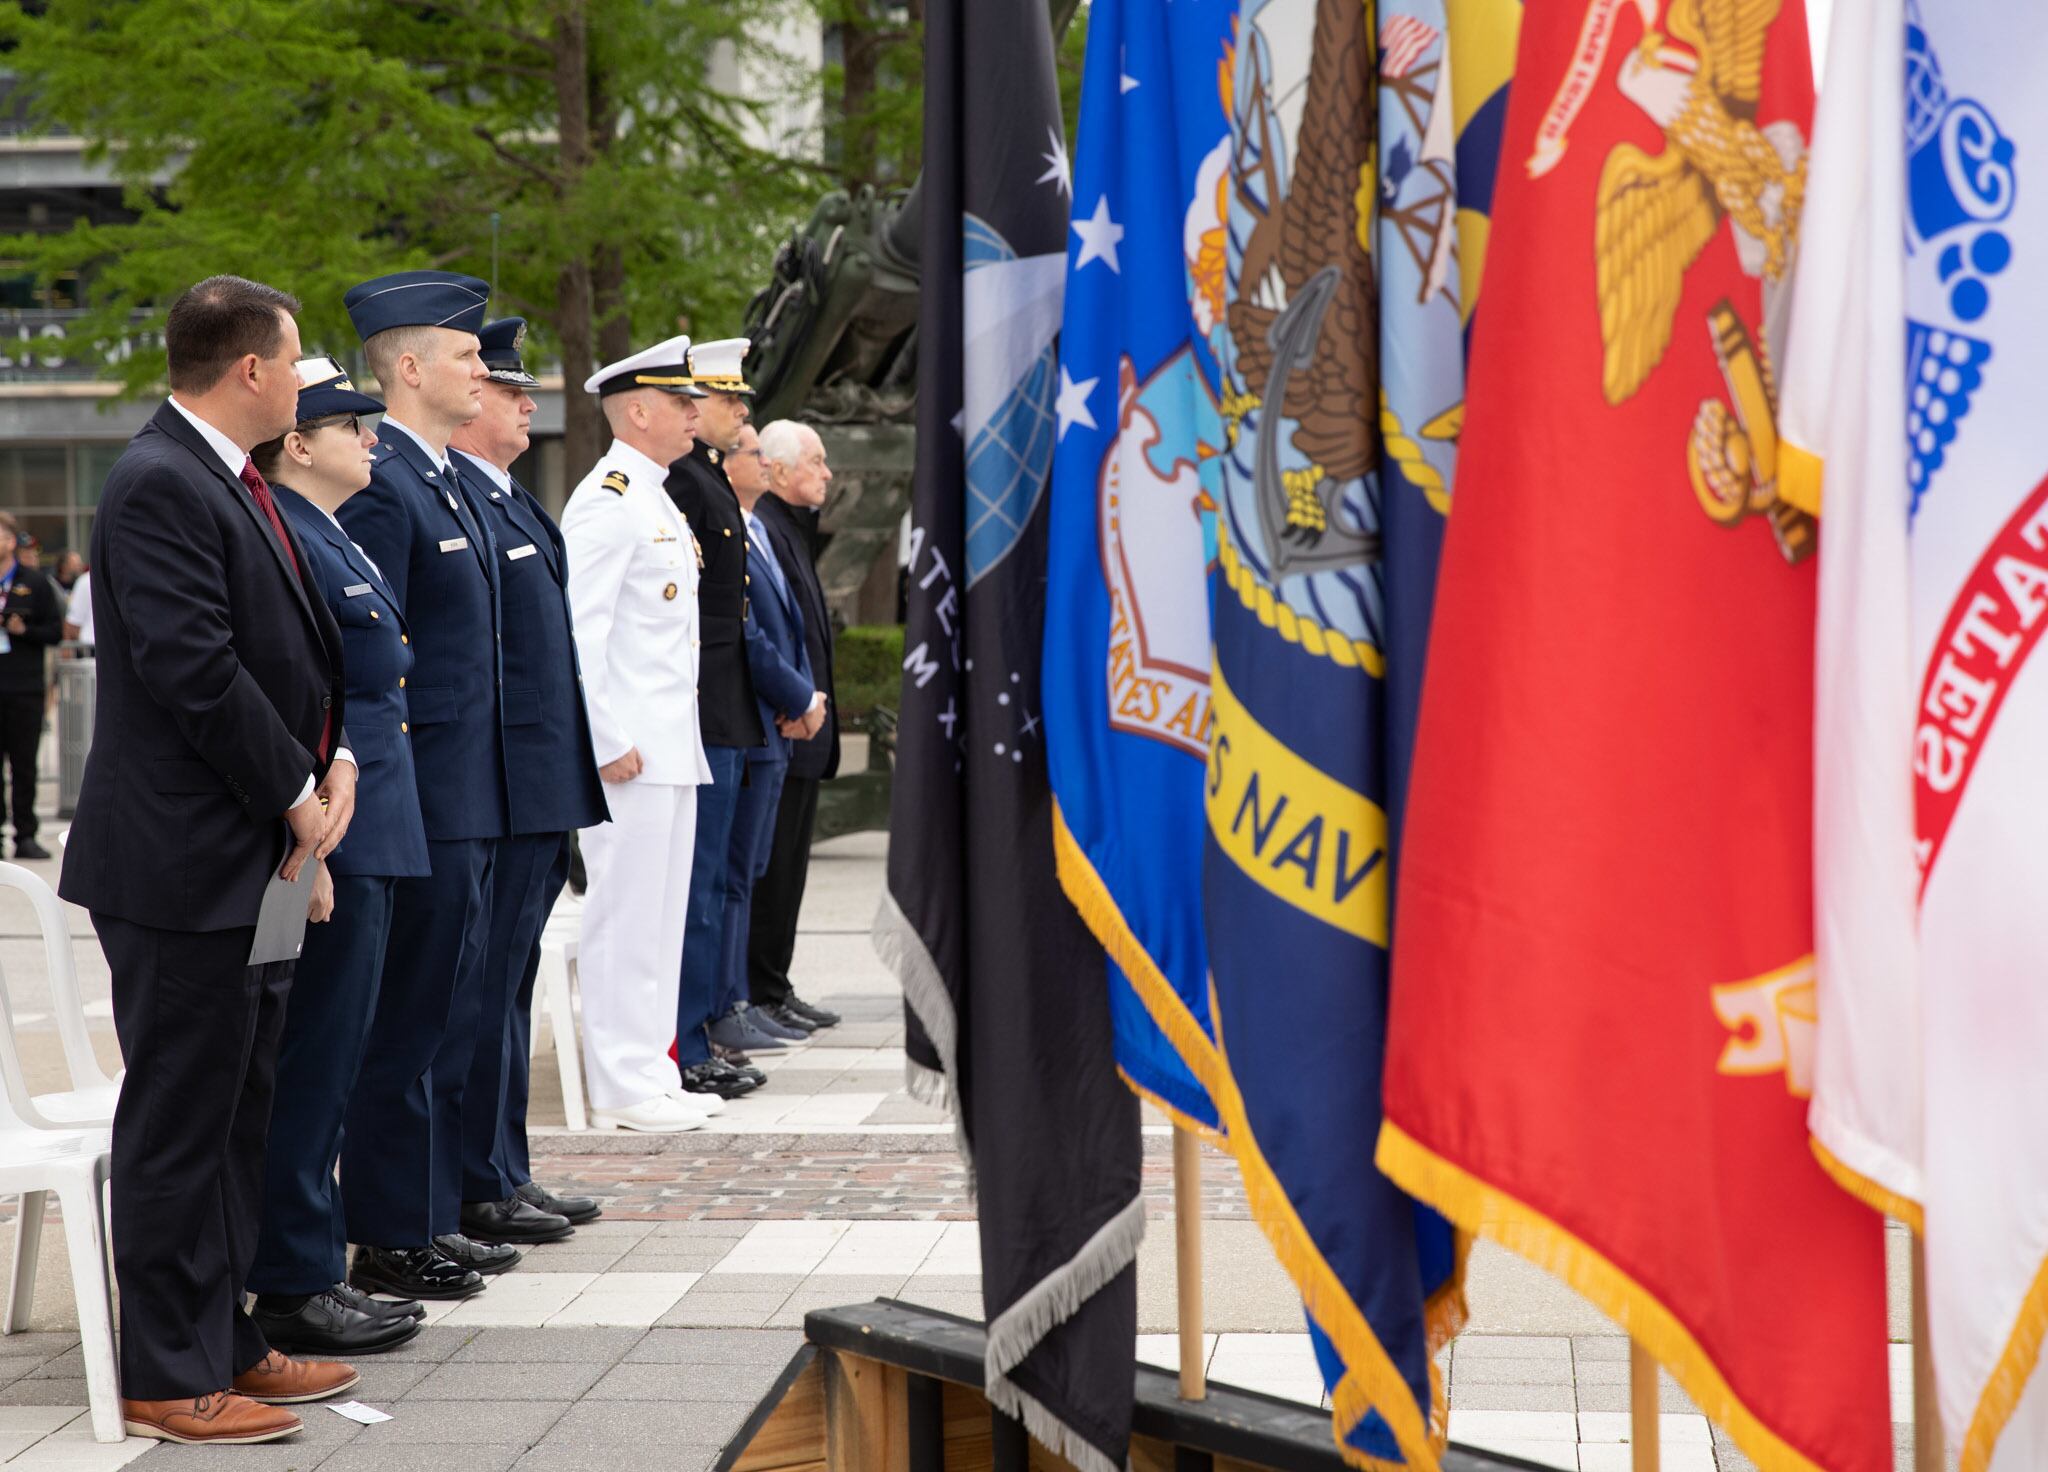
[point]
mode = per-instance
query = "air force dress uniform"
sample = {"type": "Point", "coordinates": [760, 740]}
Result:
{"type": "Point", "coordinates": [425, 527]}
{"type": "Point", "coordinates": [554, 789]}
{"type": "Point", "coordinates": [633, 564]}
{"type": "Point", "coordinates": [302, 1248]}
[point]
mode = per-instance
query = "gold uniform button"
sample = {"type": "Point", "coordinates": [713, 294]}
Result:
{"type": "Point", "coordinates": [374, 613]}
{"type": "Point", "coordinates": [747, 578]}
{"type": "Point", "coordinates": [669, 591]}
{"type": "Point", "coordinates": [401, 682]}
{"type": "Point", "coordinates": [405, 726]}
{"type": "Point", "coordinates": [727, 530]}
{"type": "Point", "coordinates": [404, 639]}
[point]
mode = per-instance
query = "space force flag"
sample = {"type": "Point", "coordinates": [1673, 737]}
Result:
{"type": "Point", "coordinates": [1913, 416]}
{"type": "Point", "coordinates": [1360, 160]}
{"type": "Point", "coordinates": [1007, 1011]}
{"type": "Point", "coordinates": [1603, 1014]}
{"type": "Point", "coordinates": [1134, 524]}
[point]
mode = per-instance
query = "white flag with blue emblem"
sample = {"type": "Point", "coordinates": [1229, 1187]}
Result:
{"type": "Point", "coordinates": [1911, 412]}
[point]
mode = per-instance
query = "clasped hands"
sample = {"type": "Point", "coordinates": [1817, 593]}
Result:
{"type": "Point", "coordinates": [807, 725]}
{"type": "Point", "coordinates": [318, 825]}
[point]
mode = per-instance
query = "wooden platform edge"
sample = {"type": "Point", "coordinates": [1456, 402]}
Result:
{"type": "Point", "coordinates": [789, 1412]}
{"type": "Point", "coordinates": [1236, 1425]}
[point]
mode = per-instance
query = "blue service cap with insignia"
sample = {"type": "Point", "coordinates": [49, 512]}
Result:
{"type": "Point", "coordinates": [716, 365]}
{"type": "Point", "coordinates": [500, 342]}
{"type": "Point", "coordinates": [325, 390]}
{"type": "Point", "coordinates": [417, 299]}
{"type": "Point", "coordinates": [665, 366]}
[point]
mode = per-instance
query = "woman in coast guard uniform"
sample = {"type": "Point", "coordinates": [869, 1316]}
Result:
{"type": "Point", "coordinates": [303, 1303]}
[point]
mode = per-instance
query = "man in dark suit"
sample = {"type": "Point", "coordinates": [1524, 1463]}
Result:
{"type": "Point", "coordinates": [727, 717]}
{"type": "Point", "coordinates": [791, 706]}
{"type": "Point", "coordinates": [793, 458]}
{"type": "Point", "coordinates": [551, 777]}
{"type": "Point", "coordinates": [424, 525]}
{"type": "Point", "coordinates": [31, 621]}
{"type": "Point", "coordinates": [219, 753]}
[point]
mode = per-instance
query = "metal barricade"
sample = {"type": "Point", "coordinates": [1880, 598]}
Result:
{"type": "Point", "coordinates": [77, 687]}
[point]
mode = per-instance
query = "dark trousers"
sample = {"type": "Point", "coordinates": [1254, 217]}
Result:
{"type": "Point", "coordinates": [779, 894]}
{"type": "Point", "coordinates": [519, 1042]}
{"type": "Point", "coordinates": [401, 1150]}
{"type": "Point", "coordinates": [753, 829]}
{"type": "Point", "coordinates": [521, 896]}
{"type": "Point", "coordinates": [303, 1247]}
{"type": "Point", "coordinates": [199, 1030]}
{"type": "Point", "coordinates": [21, 732]}
{"type": "Point", "coordinates": [704, 917]}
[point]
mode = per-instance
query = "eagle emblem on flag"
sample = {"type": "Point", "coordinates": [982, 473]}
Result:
{"type": "Point", "coordinates": [1699, 77]}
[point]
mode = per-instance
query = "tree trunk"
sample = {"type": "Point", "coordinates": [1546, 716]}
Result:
{"type": "Point", "coordinates": [857, 56]}
{"type": "Point", "coordinates": [608, 263]}
{"type": "Point", "coordinates": [583, 430]}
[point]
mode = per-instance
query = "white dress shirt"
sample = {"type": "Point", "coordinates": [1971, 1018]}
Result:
{"type": "Point", "coordinates": [439, 457]}
{"type": "Point", "coordinates": [234, 457]}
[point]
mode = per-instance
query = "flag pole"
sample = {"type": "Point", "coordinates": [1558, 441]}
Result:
{"type": "Point", "coordinates": [1642, 1407]}
{"type": "Point", "coordinates": [1928, 1453]}
{"type": "Point", "coordinates": [1187, 1238]}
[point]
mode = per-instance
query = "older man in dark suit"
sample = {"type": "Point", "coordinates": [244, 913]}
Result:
{"type": "Point", "coordinates": [793, 463]}
{"type": "Point", "coordinates": [218, 754]}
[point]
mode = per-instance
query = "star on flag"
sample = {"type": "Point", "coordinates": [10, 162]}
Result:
{"type": "Point", "coordinates": [1099, 236]}
{"type": "Point", "coordinates": [1058, 172]}
{"type": "Point", "coordinates": [1072, 404]}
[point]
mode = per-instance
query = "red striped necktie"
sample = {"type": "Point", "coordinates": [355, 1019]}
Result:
{"type": "Point", "coordinates": [253, 479]}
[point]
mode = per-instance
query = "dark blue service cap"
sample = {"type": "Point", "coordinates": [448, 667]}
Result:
{"type": "Point", "coordinates": [325, 390]}
{"type": "Point", "coordinates": [417, 299]}
{"type": "Point", "coordinates": [501, 342]}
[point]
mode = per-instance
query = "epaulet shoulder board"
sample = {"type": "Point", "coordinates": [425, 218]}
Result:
{"type": "Point", "coordinates": [615, 482]}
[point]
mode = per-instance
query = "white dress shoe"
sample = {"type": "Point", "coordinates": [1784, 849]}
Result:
{"type": "Point", "coordinates": [703, 1104]}
{"type": "Point", "coordinates": [661, 1115]}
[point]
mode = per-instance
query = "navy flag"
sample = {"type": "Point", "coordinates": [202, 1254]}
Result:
{"type": "Point", "coordinates": [1005, 988]}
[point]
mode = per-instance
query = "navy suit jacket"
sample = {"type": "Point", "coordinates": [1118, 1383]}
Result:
{"type": "Point", "coordinates": [217, 672]}
{"type": "Point", "coordinates": [440, 558]}
{"type": "Point", "coordinates": [386, 836]}
{"type": "Point", "coordinates": [549, 766]}
{"type": "Point", "coordinates": [776, 656]}
{"type": "Point", "coordinates": [789, 531]}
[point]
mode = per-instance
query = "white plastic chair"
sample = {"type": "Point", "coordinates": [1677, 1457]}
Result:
{"type": "Point", "coordinates": [554, 991]}
{"type": "Point", "coordinates": [92, 1096]}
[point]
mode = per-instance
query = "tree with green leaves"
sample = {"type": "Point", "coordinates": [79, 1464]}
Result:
{"type": "Point", "coordinates": [576, 148]}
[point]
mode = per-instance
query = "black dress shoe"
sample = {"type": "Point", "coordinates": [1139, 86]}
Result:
{"type": "Point", "coordinates": [713, 1077]}
{"type": "Point", "coordinates": [382, 1308]}
{"type": "Point", "coordinates": [787, 1016]}
{"type": "Point", "coordinates": [412, 1272]}
{"type": "Point", "coordinates": [28, 848]}
{"type": "Point", "coordinates": [816, 1016]}
{"type": "Point", "coordinates": [328, 1324]}
{"type": "Point", "coordinates": [479, 1257]}
{"type": "Point", "coordinates": [512, 1220]}
{"type": "Point", "coordinates": [575, 1209]}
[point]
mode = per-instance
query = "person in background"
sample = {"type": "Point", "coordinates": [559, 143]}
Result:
{"type": "Point", "coordinates": [303, 1303]}
{"type": "Point", "coordinates": [31, 624]}
{"type": "Point", "coordinates": [78, 612]}
{"type": "Point", "coordinates": [69, 569]}
{"type": "Point", "coordinates": [633, 591]}
{"type": "Point", "coordinates": [791, 705]}
{"type": "Point", "coordinates": [554, 789]}
{"type": "Point", "coordinates": [220, 670]}
{"type": "Point", "coordinates": [793, 459]}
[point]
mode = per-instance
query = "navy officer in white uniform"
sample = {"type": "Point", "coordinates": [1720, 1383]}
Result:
{"type": "Point", "coordinates": [633, 564]}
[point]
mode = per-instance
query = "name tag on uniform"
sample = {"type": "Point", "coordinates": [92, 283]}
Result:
{"type": "Point", "coordinates": [664, 535]}
{"type": "Point", "coordinates": [515, 553]}
{"type": "Point", "coordinates": [355, 590]}
{"type": "Point", "coordinates": [455, 544]}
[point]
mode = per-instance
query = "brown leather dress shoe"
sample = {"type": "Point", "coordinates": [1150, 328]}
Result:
{"type": "Point", "coordinates": [277, 1381]}
{"type": "Point", "coordinates": [222, 1418]}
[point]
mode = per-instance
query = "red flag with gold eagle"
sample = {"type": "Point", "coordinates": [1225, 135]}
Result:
{"type": "Point", "coordinates": [1602, 1003]}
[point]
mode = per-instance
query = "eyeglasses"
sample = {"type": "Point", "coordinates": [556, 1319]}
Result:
{"type": "Point", "coordinates": [353, 423]}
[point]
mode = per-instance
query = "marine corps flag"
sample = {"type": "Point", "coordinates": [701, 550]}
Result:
{"type": "Point", "coordinates": [1600, 1040]}
{"type": "Point", "coordinates": [1913, 417]}
{"type": "Point", "coordinates": [1006, 990]}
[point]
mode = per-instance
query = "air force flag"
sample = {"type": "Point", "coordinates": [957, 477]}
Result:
{"type": "Point", "coordinates": [1134, 522]}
